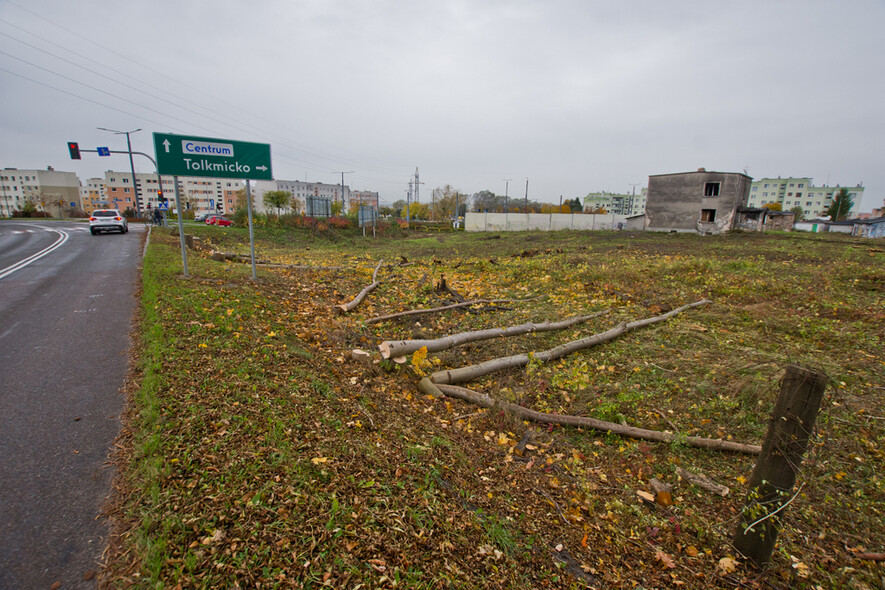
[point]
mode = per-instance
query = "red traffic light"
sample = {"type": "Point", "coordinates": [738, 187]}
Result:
{"type": "Point", "coordinates": [160, 196]}
{"type": "Point", "coordinates": [74, 148]}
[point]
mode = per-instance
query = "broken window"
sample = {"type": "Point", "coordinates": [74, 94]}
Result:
{"type": "Point", "coordinates": [708, 214]}
{"type": "Point", "coordinates": [711, 189]}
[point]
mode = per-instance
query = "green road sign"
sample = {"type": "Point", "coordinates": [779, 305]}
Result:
{"type": "Point", "coordinates": [182, 155]}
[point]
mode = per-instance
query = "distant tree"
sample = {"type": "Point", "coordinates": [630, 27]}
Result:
{"type": "Point", "coordinates": [277, 200]}
{"type": "Point", "coordinates": [798, 213]}
{"type": "Point", "coordinates": [241, 199]}
{"type": "Point", "coordinates": [296, 205]}
{"type": "Point", "coordinates": [487, 201]}
{"type": "Point", "coordinates": [337, 208]}
{"type": "Point", "coordinates": [841, 206]}
{"type": "Point", "coordinates": [773, 206]}
{"type": "Point", "coordinates": [398, 207]}
{"type": "Point", "coordinates": [388, 211]}
{"type": "Point", "coordinates": [574, 205]}
{"type": "Point", "coordinates": [417, 211]}
{"type": "Point", "coordinates": [445, 200]}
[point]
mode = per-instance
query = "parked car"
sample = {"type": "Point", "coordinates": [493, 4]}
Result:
{"type": "Point", "coordinates": [218, 220]}
{"type": "Point", "coordinates": [107, 220]}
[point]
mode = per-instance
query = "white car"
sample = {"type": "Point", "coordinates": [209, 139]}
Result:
{"type": "Point", "coordinates": [107, 220]}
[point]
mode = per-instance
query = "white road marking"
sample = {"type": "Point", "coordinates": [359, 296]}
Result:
{"type": "Point", "coordinates": [62, 238]}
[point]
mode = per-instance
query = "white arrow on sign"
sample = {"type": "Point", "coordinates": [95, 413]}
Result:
{"type": "Point", "coordinates": [262, 168]}
{"type": "Point", "coordinates": [166, 145]}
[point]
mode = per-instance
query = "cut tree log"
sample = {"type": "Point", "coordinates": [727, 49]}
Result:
{"type": "Point", "coordinates": [396, 348]}
{"type": "Point", "coordinates": [486, 401]}
{"type": "Point", "coordinates": [702, 481]}
{"type": "Point", "coordinates": [426, 386]}
{"type": "Point", "coordinates": [345, 307]}
{"type": "Point", "coordinates": [471, 372]}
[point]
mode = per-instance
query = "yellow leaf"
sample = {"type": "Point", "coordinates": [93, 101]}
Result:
{"type": "Point", "coordinates": [318, 460]}
{"type": "Point", "coordinates": [726, 565]}
{"type": "Point", "coordinates": [665, 559]}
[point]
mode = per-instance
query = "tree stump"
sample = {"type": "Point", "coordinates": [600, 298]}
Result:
{"type": "Point", "coordinates": [771, 484]}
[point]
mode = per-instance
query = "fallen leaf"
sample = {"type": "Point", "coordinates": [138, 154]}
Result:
{"type": "Point", "coordinates": [664, 498]}
{"type": "Point", "coordinates": [726, 565]}
{"type": "Point", "coordinates": [665, 559]}
{"type": "Point", "coordinates": [691, 551]}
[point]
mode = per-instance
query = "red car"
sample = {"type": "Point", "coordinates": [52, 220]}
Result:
{"type": "Point", "coordinates": [218, 220]}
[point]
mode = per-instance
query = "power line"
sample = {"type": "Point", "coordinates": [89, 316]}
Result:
{"type": "Point", "coordinates": [276, 124]}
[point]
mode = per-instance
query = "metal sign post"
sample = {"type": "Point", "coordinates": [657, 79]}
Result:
{"type": "Point", "coordinates": [251, 234]}
{"type": "Point", "coordinates": [180, 225]}
{"type": "Point", "coordinates": [184, 155]}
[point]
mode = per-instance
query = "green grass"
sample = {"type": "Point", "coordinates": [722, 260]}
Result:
{"type": "Point", "coordinates": [262, 456]}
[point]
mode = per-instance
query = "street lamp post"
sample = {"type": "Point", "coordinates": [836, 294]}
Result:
{"type": "Point", "coordinates": [131, 163]}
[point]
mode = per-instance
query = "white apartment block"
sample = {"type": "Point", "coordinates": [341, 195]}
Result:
{"type": "Point", "coordinates": [49, 190]}
{"type": "Point", "coordinates": [197, 194]}
{"type": "Point", "coordinates": [800, 192]}
{"type": "Point", "coordinates": [628, 204]}
{"type": "Point", "coordinates": [300, 190]}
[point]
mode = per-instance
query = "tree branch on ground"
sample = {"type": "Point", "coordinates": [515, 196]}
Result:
{"type": "Point", "coordinates": [345, 307]}
{"type": "Point", "coordinates": [486, 401]}
{"type": "Point", "coordinates": [397, 348]}
{"type": "Point", "coordinates": [470, 372]}
{"type": "Point", "coordinates": [703, 482]}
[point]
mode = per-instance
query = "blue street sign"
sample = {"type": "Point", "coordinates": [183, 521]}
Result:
{"type": "Point", "coordinates": [212, 203]}
{"type": "Point", "coordinates": [163, 206]}
{"type": "Point", "coordinates": [103, 151]}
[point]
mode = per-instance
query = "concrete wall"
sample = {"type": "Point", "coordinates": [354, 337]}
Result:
{"type": "Point", "coordinates": [675, 201]}
{"type": "Point", "coordinates": [541, 221]}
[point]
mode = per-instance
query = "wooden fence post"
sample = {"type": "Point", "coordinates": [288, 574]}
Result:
{"type": "Point", "coordinates": [771, 484]}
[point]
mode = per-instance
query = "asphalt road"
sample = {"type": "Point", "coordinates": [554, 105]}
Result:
{"type": "Point", "coordinates": [66, 308]}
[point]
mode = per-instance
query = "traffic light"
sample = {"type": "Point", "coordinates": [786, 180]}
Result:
{"type": "Point", "coordinates": [74, 148]}
{"type": "Point", "coordinates": [160, 196]}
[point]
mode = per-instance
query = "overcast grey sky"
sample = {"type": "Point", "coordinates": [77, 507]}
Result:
{"type": "Point", "coordinates": [577, 96]}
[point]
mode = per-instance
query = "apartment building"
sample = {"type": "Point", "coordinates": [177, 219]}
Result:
{"type": "Point", "coordinates": [197, 194]}
{"type": "Point", "coordinates": [49, 190]}
{"type": "Point", "coordinates": [300, 190]}
{"type": "Point", "coordinates": [800, 192]}
{"type": "Point", "coordinates": [93, 196]}
{"type": "Point", "coordinates": [627, 204]}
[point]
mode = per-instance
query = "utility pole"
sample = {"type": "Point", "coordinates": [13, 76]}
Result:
{"type": "Point", "coordinates": [415, 187]}
{"type": "Point", "coordinates": [131, 164]}
{"type": "Point", "coordinates": [526, 206]}
{"type": "Point", "coordinates": [408, 203]}
{"type": "Point", "coordinates": [506, 188]}
{"type": "Point", "coordinates": [632, 197]}
{"type": "Point", "coordinates": [417, 182]}
{"type": "Point", "coordinates": [343, 202]}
